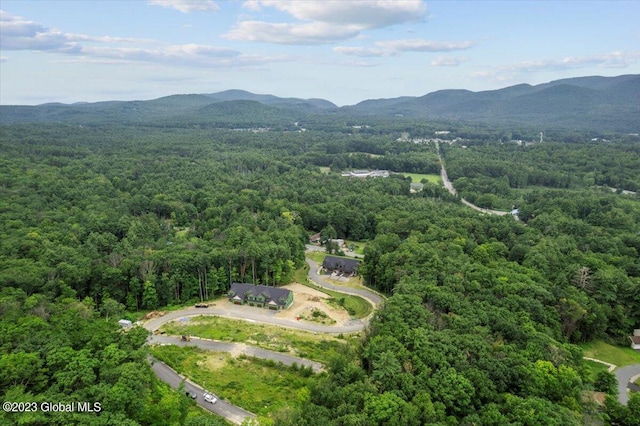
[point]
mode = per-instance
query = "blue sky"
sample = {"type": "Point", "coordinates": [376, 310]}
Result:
{"type": "Point", "coordinates": [343, 51]}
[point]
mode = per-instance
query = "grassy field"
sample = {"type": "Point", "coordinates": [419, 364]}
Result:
{"type": "Point", "coordinates": [259, 386]}
{"type": "Point", "coordinates": [617, 355]}
{"type": "Point", "coordinates": [417, 177]}
{"type": "Point", "coordinates": [317, 256]}
{"type": "Point", "coordinates": [325, 170]}
{"type": "Point", "coordinates": [595, 368]}
{"type": "Point", "coordinates": [318, 347]}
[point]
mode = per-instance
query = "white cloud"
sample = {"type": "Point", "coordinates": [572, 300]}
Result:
{"type": "Point", "coordinates": [448, 61]}
{"type": "Point", "coordinates": [187, 6]}
{"type": "Point", "coordinates": [305, 34]}
{"type": "Point", "coordinates": [365, 14]}
{"type": "Point", "coordinates": [419, 45]}
{"type": "Point", "coordinates": [20, 34]}
{"type": "Point", "coordinates": [608, 60]}
{"type": "Point", "coordinates": [361, 51]}
{"type": "Point", "coordinates": [17, 33]}
{"type": "Point", "coordinates": [395, 47]}
{"type": "Point", "coordinates": [325, 21]}
{"type": "Point", "coordinates": [617, 59]}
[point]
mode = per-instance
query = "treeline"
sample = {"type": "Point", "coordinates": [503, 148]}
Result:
{"type": "Point", "coordinates": [60, 353]}
{"type": "Point", "coordinates": [483, 311]}
{"type": "Point", "coordinates": [493, 175]}
{"type": "Point", "coordinates": [152, 217]}
{"type": "Point", "coordinates": [481, 319]}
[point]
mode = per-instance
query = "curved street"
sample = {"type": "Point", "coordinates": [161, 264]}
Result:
{"type": "Point", "coordinates": [449, 186]}
{"type": "Point", "coordinates": [625, 375]}
{"type": "Point", "coordinates": [225, 409]}
{"type": "Point", "coordinates": [238, 348]}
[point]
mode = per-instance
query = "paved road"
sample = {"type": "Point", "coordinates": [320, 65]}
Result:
{"type": "Point", "coordinates": [231, 412]}
{"type": "Point", "coordinates": [248, 313]}
{"type": "Point", "coordinates": [624, 376]}
{"type": "Point", "coordinates": [222, 408]}
{"type": "Point", "coordinates": [447, 184]}
{"type": "Point", "coordinates": [373, 298]}
{"type": "Point", "coordinates": [238, 348]}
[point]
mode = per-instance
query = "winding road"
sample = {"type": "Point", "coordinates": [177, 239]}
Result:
{"type": "Point", "coordinates": [449, 186]}
{"type": "Point", "coordinates": [229, 411]}
{"type": "Point", "coordinates": [625, 375]}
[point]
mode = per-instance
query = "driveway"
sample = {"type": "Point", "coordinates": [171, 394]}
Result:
{"type": "Point", "coordinates": [624, 376]}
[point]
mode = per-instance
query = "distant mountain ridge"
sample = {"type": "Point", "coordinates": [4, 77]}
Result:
{"type": "Point", "coordinates": [611, 103]}
{"type": "Point", "coordinates": [581, 103]}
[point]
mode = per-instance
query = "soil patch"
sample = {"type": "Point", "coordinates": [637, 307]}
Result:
{"type": "Point", "coordinates": [306, 299]}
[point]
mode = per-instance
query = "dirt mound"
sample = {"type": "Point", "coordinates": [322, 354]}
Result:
{"type": "Point", "coordinates": [154, 314]}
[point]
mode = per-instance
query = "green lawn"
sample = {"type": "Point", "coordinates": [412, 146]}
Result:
{"type": "Point", "coordinates": [325, 170]}
{"type": "Point", "coordinates": [317, 256]}
{"type": "Point", "coordinates": [417, 177]}
{"type": "Point", "coordinates": [259, 386]}
{"type": "Point", "coordinates": [355, 305]}
{"type": "Point", "coordinates": [318, 347]}
{"type": "Point", "coordinates": [617, 355]}
{"type": "Point", "coordinates": [595, 368]}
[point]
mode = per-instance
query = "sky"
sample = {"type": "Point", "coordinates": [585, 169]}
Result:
{"type": "Point", "coordinates": [344, 51]}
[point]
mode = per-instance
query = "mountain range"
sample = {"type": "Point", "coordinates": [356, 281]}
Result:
{"type": "Point", "coordinates": [582, 103]}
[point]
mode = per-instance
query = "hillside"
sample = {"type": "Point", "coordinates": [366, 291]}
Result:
{"type": "Point", "coordinates": [585, 103]}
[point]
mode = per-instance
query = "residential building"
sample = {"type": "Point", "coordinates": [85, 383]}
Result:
{"type": "Point", "coordinates": [261, 296]}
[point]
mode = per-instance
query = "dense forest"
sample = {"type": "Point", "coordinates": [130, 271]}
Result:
{"type": "Point", "coordinates": [484, 314]}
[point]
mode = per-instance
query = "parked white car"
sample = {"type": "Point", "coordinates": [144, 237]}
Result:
{"type": "Point", "coordinates": [210, 398]}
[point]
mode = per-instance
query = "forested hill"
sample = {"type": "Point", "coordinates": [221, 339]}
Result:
{"type": "Point", "coordinates": [587, 103]}
{"type": "Point", "coordinates": [594, 103]}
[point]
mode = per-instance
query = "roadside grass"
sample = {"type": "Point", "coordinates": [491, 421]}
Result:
{"type": "Point", "coordinates": [317, 347]}
{"type": "Point", "coordinates": [302, 274]}
{"type": "Point", "coordinates": [620, 356]}
{"type": "Point", "coordinates": [595, 368]}
{"type": "Point", "coordinates": [356, 306]}
{"type": "Point", "coordinates": [417, 177]}
{"type": "Point", "coordinates": [359, 246]}
{"type": "Point", "coordinates": [317, 256]}
{"type": "Point", "coordinates": [260, 386]}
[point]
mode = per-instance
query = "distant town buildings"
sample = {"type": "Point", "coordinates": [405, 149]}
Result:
{"type": "Point", "coordinates": [366, 173]}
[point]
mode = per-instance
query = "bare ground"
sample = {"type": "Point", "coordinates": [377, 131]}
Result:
{"type": "Point", "coordinates": [306, 299]}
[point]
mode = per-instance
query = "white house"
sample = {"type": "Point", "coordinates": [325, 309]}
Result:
{"type": "Point", "coordinates": [635, 339]}
{"type": "Point", "coordinates": [125, 323]}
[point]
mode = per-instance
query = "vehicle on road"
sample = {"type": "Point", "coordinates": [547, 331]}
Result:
{"type": "Point", "coordinates": [191, 394]}
{"type": "Point", "coordinates": [210, 398]}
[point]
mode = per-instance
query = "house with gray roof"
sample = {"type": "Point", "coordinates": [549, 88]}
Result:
{"type": "Point", "coordinates": [261, 296]}
{"type": "Point", "coordinates": [341, 265]}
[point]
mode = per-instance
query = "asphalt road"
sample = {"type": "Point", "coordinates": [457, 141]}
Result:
{"type": "Point", "coordinates": [368, 295]}
{"type": "Point", "coordinates": [238, 348]}
{"type": "Point", "coordinates": [449, 186]}
{"type": "Point", "coordinates": [624, 375]}
{"type": "Point", "coordinates": [229, 411]}
{"type": "Point", "coordinates": [246, 313]}
{"type": "Point", "coordinates": [222, 408]}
